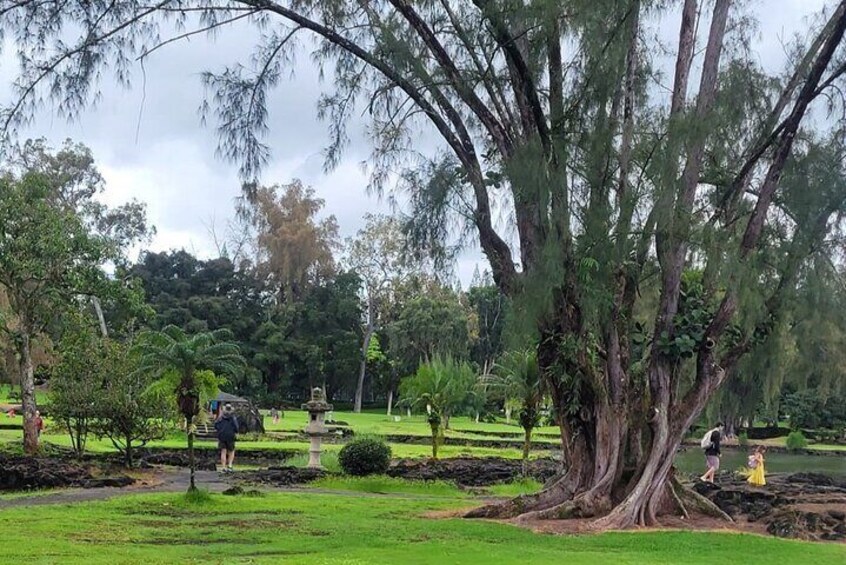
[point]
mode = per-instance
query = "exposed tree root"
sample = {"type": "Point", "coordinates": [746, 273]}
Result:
{"type": "Point", "coordinates": [677, 499]}
{"type": "Point", "coordinates": [694, 500]}
{"type": "Point", "coordinates": [558, 492]}
{"type": "Point", "coordinates": [558, 502]}
{"type": "Point", "coordinates": [586, 505]}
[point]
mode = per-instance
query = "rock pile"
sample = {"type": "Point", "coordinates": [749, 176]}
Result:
{"type": "Point", "coordinates": [806, 506]}
{"type": "Point", "coordinates": [24, 473]}
{"type": "Point", "coordinates": [281, 476]}
{"type": "Point", "coordinates": [471, 472]}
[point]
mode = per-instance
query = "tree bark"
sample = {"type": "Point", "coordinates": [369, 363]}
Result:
{"type": "Point", "coordinates": [362, 369]}
{"type": "Point", "coordinates": [189, 422]}
{"type": "Point", "coordinates": [101, 319]}
{"type": "Point", "coordinates": [527, 447]}
{"type": "Point", "coordinates": [30, 430]}
{"type": "Point", "coordinates": [390, 400]}
{"type": "Point", "coordinates": [128, 455]}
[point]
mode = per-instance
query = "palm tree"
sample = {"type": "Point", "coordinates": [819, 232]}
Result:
{"type": "Point", "coordinates": [444, 386]}
{"type": "Point", "coordinates": [186, 367]}
{"type": "Point", "coordinates": [518, 380]}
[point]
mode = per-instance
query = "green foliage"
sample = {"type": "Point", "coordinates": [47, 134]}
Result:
{"type": "Point", "coordinates": [47, 255]}
{"type": "Point", "coordinates": [809, 409]}
{"type": "Point", "coordinates": [374, 351]}
{"type": "Point", "coordinates": [76, 386]}
{"type": "Point", "coordinates": [796, 440]}
{"type": "Point", "coordinates": [130, 414]}
{"type": "Point", "coordinates": [489, 311]}
{"type": "Point", "coordinates": [187, 367]}
{"type": "Point", "coordinates": [443, 384]}
{"type": "Point", "coordinates": [365, 456]}
{"type": "Point", "coordinates": [743, 439]}
{"type": "Point", "coordinates": [96, 388]}
{"type": "Point", "coordinates": [516, 379]}
{"type": "Point", "coordinates": [431, 322]}
{"type": "Point", "coordinates": [692, 319]}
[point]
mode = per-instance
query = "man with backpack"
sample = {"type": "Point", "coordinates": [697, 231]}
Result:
{"type": "Point", "coordinates": [711, 443]}
{"type": "Point", "coordinates": [227, 428]}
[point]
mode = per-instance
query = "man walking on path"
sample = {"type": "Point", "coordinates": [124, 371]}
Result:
{"type": "Point", "coordinates": [227, 428]}
{"type": "Point", "coordinates": [711, 443]}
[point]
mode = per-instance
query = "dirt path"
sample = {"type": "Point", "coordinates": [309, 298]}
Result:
{"type": "Point", "coordinates": [174, 479]}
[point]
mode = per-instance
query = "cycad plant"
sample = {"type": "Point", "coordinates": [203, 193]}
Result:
{"type": "Point", "coordinates": [187, 368]}
{"type": "Point", "coordinates": [444, 386]}
{"type": "Point", "coordinates": [516, 377]}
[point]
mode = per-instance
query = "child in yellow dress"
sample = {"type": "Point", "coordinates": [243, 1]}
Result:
{"type": "Point", "coordinates": [756, 468]}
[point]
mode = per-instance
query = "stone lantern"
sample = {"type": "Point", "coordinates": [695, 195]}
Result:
{"type": "Point", "coordinates": [316, 429]}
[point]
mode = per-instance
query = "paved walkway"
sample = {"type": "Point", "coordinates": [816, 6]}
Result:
{"type": "Point", "coordinates": [166, 480]}
{"type": "Point", "coordinates": [173, 479]}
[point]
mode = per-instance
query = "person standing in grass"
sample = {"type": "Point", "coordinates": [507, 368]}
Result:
{"type": "Point", "coordinates": [227, 428]}
{"type": "Point", "coordinates": [711, 443]}
{"type": "Point", "coordinates": [756, 468]}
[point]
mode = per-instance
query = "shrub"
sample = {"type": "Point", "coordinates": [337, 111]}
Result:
{"type": "Point", "coordinates": [365, 456]}
{"type": "Point", "coordinates": [796, 440]}
{"type": "Point", "coordinates": [743, 439]}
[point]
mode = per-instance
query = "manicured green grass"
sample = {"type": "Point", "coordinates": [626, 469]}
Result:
{"type": "Point", "coordinates": [827, 447]}
{"type": "Point", "coordinates": [333, 529]}
{"type": "Point", "coordinates": [177, 441]}
{"type": "Point", "coordinates": [380, 484]}
{"type": "Point", "coordinates": [516, 488]}
{"type": "Point", "coordinates": [416, 425]}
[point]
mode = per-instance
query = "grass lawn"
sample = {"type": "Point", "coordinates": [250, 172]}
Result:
{"type": "Point", "coordinates": [313, 528]}
{"type": "Point", "coordinates": [178, 441]}
{"type": "Point", "coordinates": [416, 425]}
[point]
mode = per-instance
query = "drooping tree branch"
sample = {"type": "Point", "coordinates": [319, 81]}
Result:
{"type": "Point", "coordinates": [526, 83]}
{"type": "Point", "coordinates": [466, 93]}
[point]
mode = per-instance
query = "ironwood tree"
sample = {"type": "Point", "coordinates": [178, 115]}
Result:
{"type": "Point", "coordinates": [557, 113]}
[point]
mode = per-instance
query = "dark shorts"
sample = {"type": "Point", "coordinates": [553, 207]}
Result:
{"type": "Point", "coordinates": [712, 461]}
{"type": "Point", "coordinates": [226, 443]}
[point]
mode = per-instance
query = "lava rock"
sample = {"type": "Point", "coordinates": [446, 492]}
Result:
{"type": "Point", "coordinates": [472, 472]}
{"type": "Point", "coordinates": [281, 476]}
{"type": "Point", "coordinates": [794, 506]}
{"type": "Point", "coordinates": [113, 482]}
{"type": "Point", "coordinates": [24, 473]}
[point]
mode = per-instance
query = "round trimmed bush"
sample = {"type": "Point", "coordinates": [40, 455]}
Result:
{"type": "Point", "coordinates": [796, 440]}
{"type": "Point", "coordinates": [365, 456]}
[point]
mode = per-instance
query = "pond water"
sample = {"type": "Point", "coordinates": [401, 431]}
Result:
{"type": "Point", "coordinates": [692, 461]}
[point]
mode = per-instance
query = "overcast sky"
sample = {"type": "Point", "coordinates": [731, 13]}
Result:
{"type": "Point", "coordinates": [149, 144]}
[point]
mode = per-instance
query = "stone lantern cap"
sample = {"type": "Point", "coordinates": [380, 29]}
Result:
{"type": "Point", "coordinates": [318, 401]}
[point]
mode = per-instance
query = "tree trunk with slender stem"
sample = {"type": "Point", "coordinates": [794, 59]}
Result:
{"type": "Point", "coordinates": [527, 447]}
{"type": "Point", "coordinates": [30, 429]}
{"type": "Point", "coordinates": [362, 369]}
{"type": "Point", "coordinates": [189, 421]}
{"type": "Point", "coordinates": [128, 455]}
{"type": "Point", "coordinates": [435, 425]}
